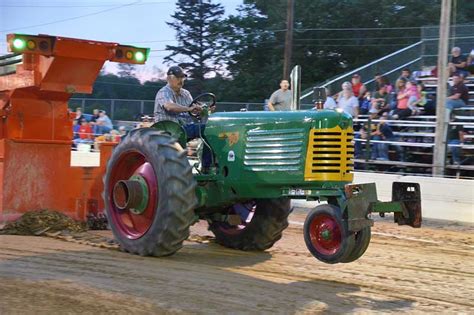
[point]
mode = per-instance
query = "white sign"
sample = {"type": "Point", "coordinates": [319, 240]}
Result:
{"type": "Point", "coordinates": [231, 156]}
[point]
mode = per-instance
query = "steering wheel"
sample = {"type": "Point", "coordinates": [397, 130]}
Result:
{"type": "Point", "coordinates": [199, 97]}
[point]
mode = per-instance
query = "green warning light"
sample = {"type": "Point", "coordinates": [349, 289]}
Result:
{"type": "Point", "coordinates": [19, 43]}
{"type": "Point", "coordinates": [139, 56]}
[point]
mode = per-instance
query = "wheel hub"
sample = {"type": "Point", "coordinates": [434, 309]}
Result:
{"type": "Point", "coordinates": [131, 194]}
{"type": "Point", "coordinates": [326, 234]}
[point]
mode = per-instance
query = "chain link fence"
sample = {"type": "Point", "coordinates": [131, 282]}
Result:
{"type": "Point", "coordinates": [131, 110]}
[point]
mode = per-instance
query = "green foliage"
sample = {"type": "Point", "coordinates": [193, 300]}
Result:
{"type": "Point", "coordinates": [256, 66]}
{"type": "Point", "coordinates": [240, 58]}
{"type": "Point", "coordinates": [198, 30]}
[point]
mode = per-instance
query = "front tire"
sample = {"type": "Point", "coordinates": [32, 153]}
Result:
{"type": "Point", "coordinates": [326, 236]}
{"type": "Point", "coordinates": [362, 240]}
{"type": "Point", "coordinates": [261, 227]}
{"type": "Point", "coordinates": [162, 223]}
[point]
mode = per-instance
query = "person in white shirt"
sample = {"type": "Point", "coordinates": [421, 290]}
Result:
{"type": "Point", "coordinates": [330, 103]}
{"type": "Point", "coordinates": [347, 101]}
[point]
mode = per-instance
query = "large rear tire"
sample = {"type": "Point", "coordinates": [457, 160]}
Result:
{"type": "Point", "coordinates": [161, 167]}
{"type": "Point", "coordinates": [261, 227]}
{"type": "Point", "coordinates": [326, 235]}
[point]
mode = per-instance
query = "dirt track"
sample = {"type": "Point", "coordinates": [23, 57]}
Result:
{"type": "Point", "coordinates": [404, 270]}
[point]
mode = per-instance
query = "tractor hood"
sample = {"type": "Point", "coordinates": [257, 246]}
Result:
{"type": "Point", "coordinates": [277, 120]}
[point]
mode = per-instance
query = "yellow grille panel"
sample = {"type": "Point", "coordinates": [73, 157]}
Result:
{"type": "Point", "coordinates": [330, 155]}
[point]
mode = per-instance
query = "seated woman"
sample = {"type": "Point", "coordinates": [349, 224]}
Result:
{"type": "Point", "coordinates": [402, 111]}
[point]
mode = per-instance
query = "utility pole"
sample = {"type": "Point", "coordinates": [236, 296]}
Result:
{"type": "Point", "coordinates": [289, 39]}
{"type": "Point", "coordinates": [439, 153]}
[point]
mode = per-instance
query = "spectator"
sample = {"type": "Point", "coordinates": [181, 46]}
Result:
{"type": "Point", "coordinates": [470, 62]}
{"type": "Point", "coordinates": [114, 136]}
{"type": "Point", "coordinates": [422, 100]}
{"type": "Point", "coordinates": [402, 111]}
{"type": "Point", "coordinates": [406, 74]}
{"type": "Point", "coordinates": [400, 84]}
{"type": "Point", "coordinates": [79, 116]}
{"type": "Point", "coordinates": [281, 99]}
{"type": "Point", "coordinates": [347, 101]}
{"type": "Point", "coordinates": [84, 133]}
{"type": "Point", "coordinates": [455, 137]}
{"type": "Point", "coordinates": [457, 63]}
{"type": "Point", "coordinates": [365, 104]}
{"type": "Point", "coordinates": [378, 81]}
{"type": "Point", "coordinates": [146, 122]}
{"type": "Point", "coordinates": [75, 129]}
{"type": "Point", "coordinates": [459, 94]}
{"type": "Point", "coordinates": [93, 122]}
{"type": "Point", "coordinates": [358, 88]}
{"type": "Point", "coordinates": [122, 130]}
{"type": "Point", "coordinates": [380, 103]}
{"type": "Point", "coordinates": [385, 132]}
{"type": "Point", "coordinates": [425, 103]}
{"type": "Point", "coordinates": [329, 103]}
{"type": "Point", "coordinates": [385, 81]}
{"type": "Point", "coordinates": [95, 115]}
{"type": "Point", "coordinates": [103, 123]}
{"type": "Point", "coordinates": [413, 96]}
{"type": "Point", "coordinates": [363, 134]}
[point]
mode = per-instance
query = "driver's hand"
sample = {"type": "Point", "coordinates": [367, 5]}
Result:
{"type": "Point", "coordinates": [195, 109]}
{"type": "Point", "coordinates": [212, 109]}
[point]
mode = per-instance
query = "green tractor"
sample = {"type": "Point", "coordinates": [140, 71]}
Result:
{"type": "Point", "coordinates": [262, 160]}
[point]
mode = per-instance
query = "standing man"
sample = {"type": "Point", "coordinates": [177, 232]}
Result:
{"type": "Point", "coordinates": [172, 103]}
{"type": "Point", "coordinates": [281, 99]}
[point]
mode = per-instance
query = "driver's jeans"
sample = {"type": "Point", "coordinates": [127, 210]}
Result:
{"type": "Point", "coordinates": [195, 131]}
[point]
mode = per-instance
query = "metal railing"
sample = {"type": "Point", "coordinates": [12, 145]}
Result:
{"type": "Point", "coordinates": [388, 65]}
{"type": "Point", "coordinates": [415, 56]}
{"type": "Point", "coordinates": [9, 62]}
{"type": "Point", "coordinates": [415, 139]}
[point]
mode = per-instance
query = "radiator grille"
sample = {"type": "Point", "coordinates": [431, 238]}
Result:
{"type": "Point", "coordinates": [274, 150]}
{"type": "Point", "coordinates": [330, 155]}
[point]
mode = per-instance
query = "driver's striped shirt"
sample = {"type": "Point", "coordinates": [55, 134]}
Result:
{"type": "Point", "coordinates": [167, 95]}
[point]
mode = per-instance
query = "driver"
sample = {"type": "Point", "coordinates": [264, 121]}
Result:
{"type": "Point", "coordinates": [172, 103]}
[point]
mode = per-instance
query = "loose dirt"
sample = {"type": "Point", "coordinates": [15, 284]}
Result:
{"type": "Point", "coordinates": [428, 270]}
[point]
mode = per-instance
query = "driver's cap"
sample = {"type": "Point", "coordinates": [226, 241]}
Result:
{"type": "Point", "coordinates": [177, 72]}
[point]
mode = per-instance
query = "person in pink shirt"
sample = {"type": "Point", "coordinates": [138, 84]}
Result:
{"type": "Point", "coordinates": [413, 96]}
{"type": "Point", "coordinates": [402, 111]}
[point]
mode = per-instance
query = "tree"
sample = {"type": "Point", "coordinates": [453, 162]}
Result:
{"type": "Point", "coordinates": [198, 26]}
{"type": "Point", "coordinates": [257, 35]}
{"type": "Point", "coordinates": [126, 70]}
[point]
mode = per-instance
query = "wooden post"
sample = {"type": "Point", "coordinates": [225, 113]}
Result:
{"type": "Point", "coordinates": [439, 153]}
{"type": "Point", "coordinates": [288, 40]}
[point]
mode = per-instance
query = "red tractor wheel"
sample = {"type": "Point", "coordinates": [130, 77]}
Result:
{"type": "Point", "coordinates": [326, 236]}
{"type": "Point", "coordinates": [149, 193]}
{"type": "Point", "coordinates": [261, 224]}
